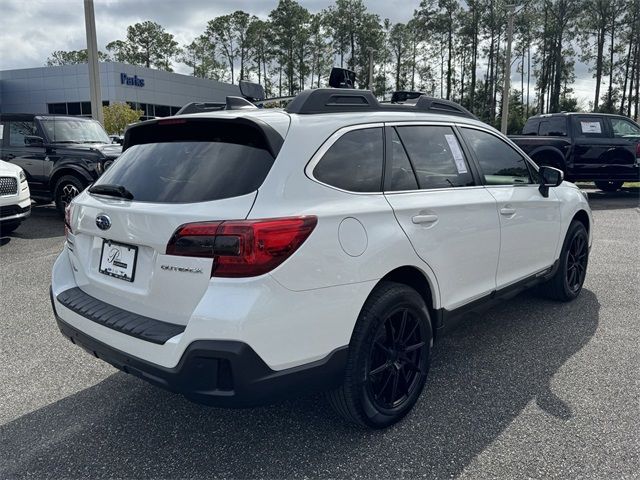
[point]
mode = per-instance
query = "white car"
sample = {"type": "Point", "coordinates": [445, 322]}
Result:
{"type": "Point", "coordinates": [15, 199]}
{"type": "Point", "coordinates": [246, 255]}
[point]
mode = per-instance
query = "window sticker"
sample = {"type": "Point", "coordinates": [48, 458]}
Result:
{"type": "Point", "coordinates": [457, 153]}
{"type": "Point", "coordinates": [591, 127]}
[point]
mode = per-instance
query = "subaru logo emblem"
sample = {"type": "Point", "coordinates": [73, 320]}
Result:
{"type": "Point", "coordinates": [103, 222]}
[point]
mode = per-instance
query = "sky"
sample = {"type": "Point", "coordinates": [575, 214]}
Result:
{"type": "Point", "coordinates": [31, 29]}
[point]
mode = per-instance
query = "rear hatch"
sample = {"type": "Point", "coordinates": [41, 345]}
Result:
{"type": "Point", "coordinates": [173, 172]}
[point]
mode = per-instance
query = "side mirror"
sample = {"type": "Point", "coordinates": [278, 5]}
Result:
{"type": "Point", "coordinates": [33, 141]}
{"type": "Point", "coordinates": [549, 177]}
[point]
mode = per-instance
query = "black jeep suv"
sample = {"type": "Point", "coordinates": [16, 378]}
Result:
{"type": "Point", "coordinates": [60, 155]}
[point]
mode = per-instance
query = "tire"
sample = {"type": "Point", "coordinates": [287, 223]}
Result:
{"type": "Point", "coordinates": [389, 357]}
{"type": "Point", "coordinates": [7, 228]}
{"type": "Point", "coordinates": [609, 186]}
{"type": "Point", "coordinates": [67, 187]}
{"type": "Point", "coordinates": [566, 284]}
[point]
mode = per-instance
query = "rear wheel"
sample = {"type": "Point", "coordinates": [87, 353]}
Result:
{"type": "Point", "coordinates": [389, 356]}
{"type": "Point", "coordinates": [567, 282]}
{"type": "Point", "coordinates": [66, 188]}
{"type": "Point", "coordinates": [609, 186]}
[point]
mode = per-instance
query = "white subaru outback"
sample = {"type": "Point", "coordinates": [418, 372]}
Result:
{"type": "Point", "coordinates": [246, 255]}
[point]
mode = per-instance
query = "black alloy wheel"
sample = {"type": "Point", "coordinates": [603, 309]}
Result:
{"type": "Point", "coordinates": [566, 283]}
{"type": "Point", "coordinates": [389, 356]}
{"type": "Point", "coordinates": [577, 257]}
{"type": "Point", "coordinates": [395, 365]}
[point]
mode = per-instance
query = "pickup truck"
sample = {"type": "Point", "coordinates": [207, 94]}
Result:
{"type": "Point", "coordinates": [596, 147]}
{"type": "Point", "coordinates": [60, 155]}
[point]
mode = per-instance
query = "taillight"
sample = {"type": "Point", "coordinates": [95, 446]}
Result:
{"type": "Point", "coordinates": [68, 215]}
{"type": "Point", "coordinates": [242, 248]}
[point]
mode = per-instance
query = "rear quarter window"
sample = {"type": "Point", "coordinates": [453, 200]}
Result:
{"type": "Point", "coordinates": [354, 162]}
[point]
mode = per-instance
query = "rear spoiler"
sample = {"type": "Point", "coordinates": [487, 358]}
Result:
{"type": "Point", "coordinates": [234, 130]}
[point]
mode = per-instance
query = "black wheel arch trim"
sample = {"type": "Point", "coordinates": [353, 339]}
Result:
{"type": "Point", "coordinates": [69, 169]}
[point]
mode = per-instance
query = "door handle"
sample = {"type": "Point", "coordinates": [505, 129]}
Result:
{"type": "Point", "coordinates": [507, 211]}
{"type": "Point", "coordinates": [424, 218]}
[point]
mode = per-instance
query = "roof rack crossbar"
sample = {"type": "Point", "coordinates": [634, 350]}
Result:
{"type": "Point", "coordinates": [331, 100]}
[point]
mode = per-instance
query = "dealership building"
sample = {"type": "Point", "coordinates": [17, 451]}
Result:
{"type": "Point", "coordinates": [65, 89]}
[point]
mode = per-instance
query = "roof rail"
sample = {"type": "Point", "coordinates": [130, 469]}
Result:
{"type": "Point", "coordinates": [332, 100]}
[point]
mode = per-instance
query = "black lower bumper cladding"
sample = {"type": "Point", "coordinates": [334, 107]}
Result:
{"type": "Point", "coordinates": [221, 373]}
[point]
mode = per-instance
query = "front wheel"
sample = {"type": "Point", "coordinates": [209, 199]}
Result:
{"type": "Point", "coordinates": [567, 282]}
{"type": "Point", "coordinates": [66, 188]}
{"type": "Point", "coordinates": [389, 357]}
{"type": "Point", "coordinates": [609, 186]}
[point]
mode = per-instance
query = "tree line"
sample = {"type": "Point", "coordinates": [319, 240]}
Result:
{"type": "Point", "coordinates": [452, 49]}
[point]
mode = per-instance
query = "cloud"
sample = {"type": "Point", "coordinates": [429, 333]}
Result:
{"type": "Point", "coordinates": [31, 29]}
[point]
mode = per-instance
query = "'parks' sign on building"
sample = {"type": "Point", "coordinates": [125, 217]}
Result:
{"type": "Point", "coordinates": [134, 81]}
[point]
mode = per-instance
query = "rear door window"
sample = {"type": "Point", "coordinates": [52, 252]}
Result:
{"type": "Point", "coordinates": [354, 162]}
{"type": "Point", "coordinates": [402, 174]}
{"type": "Point", "coordinates": [202, 163]}
{"type": "Point", "coordinates": [436, 156]}
{"type": "Point", "coordinates": [589, 127]}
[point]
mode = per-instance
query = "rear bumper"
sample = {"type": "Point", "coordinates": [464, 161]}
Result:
{"type": "Point", "coordinates": [223, 373]}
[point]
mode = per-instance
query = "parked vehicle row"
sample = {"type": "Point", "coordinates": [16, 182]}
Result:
{"type": "Point", "coordinates": [244, 255]}
{"type": "Point", "coordinates": [60, 155]}
{"type": "Point", "coordinates": [585, 146]}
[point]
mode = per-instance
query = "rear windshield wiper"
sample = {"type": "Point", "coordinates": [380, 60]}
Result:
{"type": "Point", "coordinates": [111, 190]}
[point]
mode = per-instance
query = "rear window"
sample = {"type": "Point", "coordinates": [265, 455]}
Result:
{"type": "Point", "coordinates": [554, 126]}
{"type": "Point", "coordinates": [199, 165]}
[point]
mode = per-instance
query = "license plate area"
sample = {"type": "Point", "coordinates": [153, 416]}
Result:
{"type": "Point", "coordinates": [118, 260]}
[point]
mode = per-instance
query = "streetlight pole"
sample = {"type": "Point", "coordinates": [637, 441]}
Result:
{"type": "Point", "coordinates": [507, 70]}
{"type": "Point", "coordinates": [92, 56]}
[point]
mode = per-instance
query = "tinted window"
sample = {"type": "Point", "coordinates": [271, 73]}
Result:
{"type": "Point", "coordinates": [590, 127]}
{"type": "Point", "coordinates": [62, 130]}
{"type": "Point", "coordinates": [500, 163]}
{"type": "Point", "coordinates": [555, 126]}
{"type": "Point", "coordinates": [436, 156]}
{"type": "Point", "coordinates": [189, 171]}
{"type": "Point", "coordinates": [624, 128]}
{"type": "Point", "coordinates": [353, 162]}
{"type": "Point", "coordinates": [58, 108]}
{"type": "Point", "coordinates": [531, 127]}
{"type": "Point", "coordinates": [402, 176]}
{"type": "Point", "coordinates": [19, 130]}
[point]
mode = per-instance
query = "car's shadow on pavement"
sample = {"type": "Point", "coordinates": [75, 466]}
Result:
{"type": "Point", "coordinates": [626, 197]}
{"type": "Point", "coordinates": [44, 222]}
{"type": "Point", "coordinates": [483, 375]}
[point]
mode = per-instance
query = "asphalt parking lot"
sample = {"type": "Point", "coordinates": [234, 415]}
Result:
{"type": "Point", "coordinates": [528, 389]}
